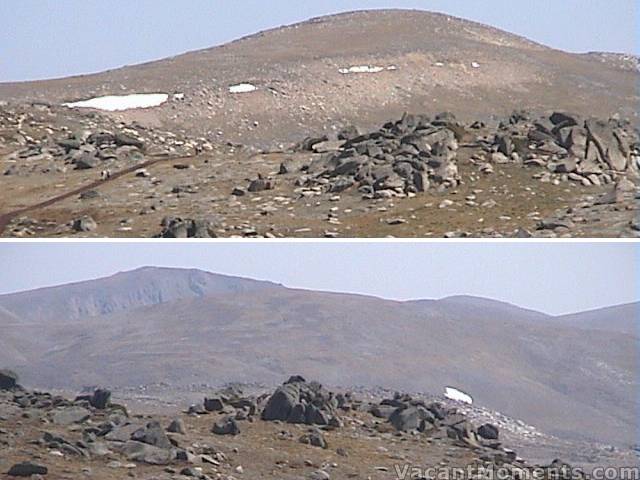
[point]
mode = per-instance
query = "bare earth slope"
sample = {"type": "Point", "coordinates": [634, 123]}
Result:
{"type": "Point", "coordinates": [564, 379]}
{"type": "Point", "coordinates": [623, 318]}
{"type": "Point", "coordinates": [296, 69]}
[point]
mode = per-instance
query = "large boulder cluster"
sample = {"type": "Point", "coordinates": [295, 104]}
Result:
{"type": "Point", "coordinates": [44, 138]}
{"type": "Point", "coordinates": [590, 151]}
{"type": "Point", "coordinates": [418, 153]}
{"type": "Point", "coordinates": [299, 401]}
{"type": "Point", "coordinates": [233, 405]}
{"type": "Point", "coordinates": [81, 150]}
{"type": "Point", "coordinates": [406, 413]}
{"type": "Point", "coordinates": [98, 428]}
{"type": "Point", "coordinates": [407, 156]}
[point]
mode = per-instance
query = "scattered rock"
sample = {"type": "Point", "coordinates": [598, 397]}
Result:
{"type": "Point", "coordinates": [143, 452]}
{"type": "Point", "coordinates": [27, 469]}
{"type": "Point", "coordinates": [308, 143]}
{"type": "Point", "coordinates": [260, 184]}
{"type": "Point", "coordinates": [319, 475]}
{"type": "Point", "coordinates": [409, 417]}
{"type": "Point", "coordinates": [314, 438]}
{"type": "Point", "coordinates": [85, 224]}
{"type": "Point", "coordinates": [86, 161]}
{"type": "Point", "coordinates": [488, 431]}
{"type": "Point", "coordinates": [177, 426]}
{"type": "Point", "coordinates": [70, 415]}
{"type": "Point", "coordinates": [100, 399]}
{"type": "Point", "coordinates": [213, 404]}
{"type": "Point", "coordinates": [90, 195]}
{"type": "Point", "coordinates": [227, 426]}
{"type": "Point", "coordinates": [152, 434]}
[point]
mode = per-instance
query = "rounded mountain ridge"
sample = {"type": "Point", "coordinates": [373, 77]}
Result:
{"type": "Point", "coordinates": [308, 78]}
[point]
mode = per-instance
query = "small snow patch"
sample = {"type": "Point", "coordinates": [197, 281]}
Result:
{"type": "Point", "coordinates": [115, 103]}
{"type": "Point", "coordinates": [457, 395]}
{"type": "Point", "coordinates": [178, 96]}
{"type": "Point", "coordinates": [242, 88]}
{"type": "Point", "coordinates": [366, 69]}
{"type": "Point", "coordinates": [475, 65]}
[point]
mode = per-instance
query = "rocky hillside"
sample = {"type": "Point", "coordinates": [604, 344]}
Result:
{"type": "Point", "coordinates": [359, 67]}
{"type": "Point", "coordinates": [122, 292]}
{"type": "Point", "coordinates": [562, 377]}
{"type": "Point", "coordinates": [559, 174]}
{"type": "Point", "coordinates": [299, 430]}
{"type": "Point", "coordinates": [444, 127]}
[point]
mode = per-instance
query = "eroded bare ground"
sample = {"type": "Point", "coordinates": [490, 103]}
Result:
{"type": "Point", "coordinates": [300, 430]}
{"type": "Point", "coordinates": [416, 177]}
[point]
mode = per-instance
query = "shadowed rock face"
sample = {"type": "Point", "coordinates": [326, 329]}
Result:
{"type": "Point", "coordinates": [423, 62]}
{"type": "Point", "coordinates": [123, 292]}
{"type": "Point", "coordinates": [8, 380]}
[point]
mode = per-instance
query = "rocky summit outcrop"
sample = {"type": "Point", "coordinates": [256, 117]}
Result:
{"type": "Point", "coordinates": [596, 150]}
{"type": "Point", "coordinates": [406, 156]}
{"type": "Point", "coordinates": [299, 401]}
{"type": "Point", "coordinates": [418, 153]}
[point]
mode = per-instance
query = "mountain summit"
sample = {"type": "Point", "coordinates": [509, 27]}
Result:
{"type": "Point", "coordinates": [123, 292]}
{"type": "Point", "coordinates": [360, 67]}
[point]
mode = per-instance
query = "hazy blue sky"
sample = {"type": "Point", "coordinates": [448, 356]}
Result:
{"type": "Point", "coordinates": [52, 38]}
{"type": "Point", "coordinates": [550, 277]}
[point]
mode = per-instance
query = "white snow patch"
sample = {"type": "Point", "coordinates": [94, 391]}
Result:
{"type": "Point", "coordinates": [115, 103]}
{"type": "Point", "coordinates": [242, 88]}
{"type": "Point", "coordinates": [178, 96]}
{"type": "Point", "coordinates": [366, 69]}
{"type": "Point", "coordinates": [475, 65]}
{"type": "Point", "coordinates": [457, 395]}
